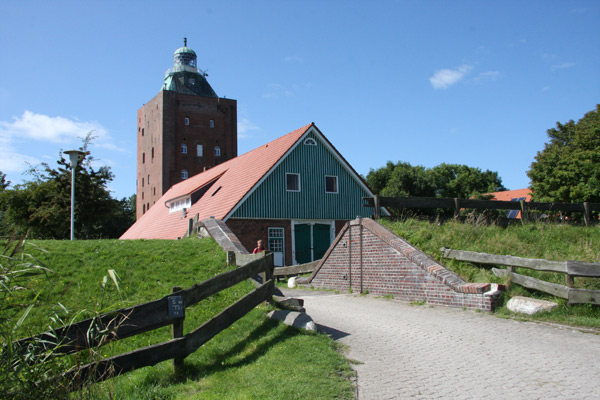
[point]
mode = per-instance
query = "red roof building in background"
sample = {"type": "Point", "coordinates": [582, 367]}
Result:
{"type": "Point", "coordinates": [512, 195]}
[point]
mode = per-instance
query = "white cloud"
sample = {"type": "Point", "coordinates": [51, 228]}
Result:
{"type": "Point", "coordinates": [563, 66]}
{"type": "Point", "coordinates": [244, 127]}
{"type": "Point", "coordinates": [12, 161]}
{"type": "Point", "coordinates": [444, 78]}
{"type": "Point", "coordinates": [48, 129]}
{"type": "Point", "coordinates": [31, 128]}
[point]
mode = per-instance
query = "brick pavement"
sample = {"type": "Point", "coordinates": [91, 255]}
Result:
{"type": "Point", "coordinates": [422, 352]}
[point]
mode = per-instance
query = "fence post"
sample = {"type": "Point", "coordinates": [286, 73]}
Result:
{"type": "Point", "coordinates": [456, 208]}
{"type": "Point", "coordinates": [176, 332]}
{"type": "Point", "coordinates": [523, 211]}
{"type": "Point", "coordinates": [586, 213]}
{"type": "Point", "coordinates": [377, 205]}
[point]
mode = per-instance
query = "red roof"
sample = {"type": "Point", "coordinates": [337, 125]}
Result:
{"type": "Point", "coordinates": [234, 180]}
{"type": "Point", "coordinates": [508, 195]}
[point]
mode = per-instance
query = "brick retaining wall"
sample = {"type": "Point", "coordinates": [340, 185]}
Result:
{"type": "Point", "coordinates": [366, 257]}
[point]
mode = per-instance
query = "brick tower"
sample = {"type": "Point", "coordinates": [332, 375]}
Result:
{"type": "Point", "coordinates": [185, 129]}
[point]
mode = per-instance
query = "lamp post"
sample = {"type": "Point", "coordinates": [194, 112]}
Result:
{"type": "Point", "coordinates": [74, 155]}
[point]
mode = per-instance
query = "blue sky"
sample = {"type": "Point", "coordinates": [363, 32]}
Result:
{"type": "Point", "coordinates": [426, 82]}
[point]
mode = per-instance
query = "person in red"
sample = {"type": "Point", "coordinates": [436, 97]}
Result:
{"type": "Point", "coordinates": [259, 247]}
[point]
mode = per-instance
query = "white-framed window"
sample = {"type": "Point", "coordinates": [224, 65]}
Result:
{"type": "Point", "coordinates": [331, 184]}
{"type": "Point", "coordinates": [199, 150]}
{"type": "Point", "coordinates": [211, 123]}
{"type": "Point", "coordinates": [186, 121]}
{"type": "Point", "coordinates": [183, 148]}
{"type": "Point", "coordinates": [217, 151]}
{"type": "Point", "coordinates": [180, 204]}
{"type": "Point", "coordinates": [310, 142]}
{"type": "Point", "coordinates": [292, 182]}
{"type": "Point", "coordinates": [184, 174]}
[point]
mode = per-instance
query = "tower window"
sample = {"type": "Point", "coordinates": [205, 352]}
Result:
{"type": "Point", "coordinates": [184, 174]}
{"type": "Point", "coordinates": [148, 181]}
{"type": "Point", "coordinates": [186, 121]}
{"type": "Point", "coordinates": [292, 182]}
{"type": "Point", "coordinates": [217, 151]}
{"type": "Point", "coordinates": [183, 148]}
{"type": "Point", "coordinates": [142, 131]}
{"type": "Point", "coordinates": [331, 185]}
{"type": "Point", "coordinates": [143, 158]}
{"type": "Point", "coordinates": [142, 182]}
{"type": "Point", "coordinates": [199, 150]}
{"type": "Point", "coordinates": [212, 123]}
{"type": "Point", "coordinates": [153, 153]}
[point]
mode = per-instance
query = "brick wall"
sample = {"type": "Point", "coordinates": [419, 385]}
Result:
{"type": "Point", "coordinates": [366, 257]}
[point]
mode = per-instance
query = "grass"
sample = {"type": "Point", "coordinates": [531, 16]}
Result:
{"type": "Point", "coordinates": [256, 358]}
{"type": "Point", "coordinates": [532, 240]}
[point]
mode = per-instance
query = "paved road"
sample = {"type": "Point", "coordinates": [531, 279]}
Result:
{"type": "Point", "coordinates": [421, 352]}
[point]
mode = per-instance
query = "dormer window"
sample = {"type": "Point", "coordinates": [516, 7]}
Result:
{"type": "Point", "coordinates": [179, 204]}
{"type": "Point", "coordinates": [310, 142]}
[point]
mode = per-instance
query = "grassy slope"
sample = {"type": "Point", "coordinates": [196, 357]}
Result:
{"type": "Point", "coordinates": [255, 358]}
{"type": "Point", "coordinates": [551, 242]}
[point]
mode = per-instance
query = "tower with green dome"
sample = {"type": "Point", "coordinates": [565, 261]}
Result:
{"type": "Point", "coordinates": [184, 130]}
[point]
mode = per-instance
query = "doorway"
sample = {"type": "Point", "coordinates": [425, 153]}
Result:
{"type": "Point", "coordinates": [311, 240]}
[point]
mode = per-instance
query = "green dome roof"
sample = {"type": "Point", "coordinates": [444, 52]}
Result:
{"type": "Point", "coordinates": [184, 50]}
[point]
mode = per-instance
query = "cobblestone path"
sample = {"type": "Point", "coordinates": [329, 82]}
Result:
{"type": "Point", "coordinates": [421, 352]}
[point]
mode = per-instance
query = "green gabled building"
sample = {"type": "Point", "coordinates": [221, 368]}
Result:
{"type": "Point", "coordinates": [295, 193]}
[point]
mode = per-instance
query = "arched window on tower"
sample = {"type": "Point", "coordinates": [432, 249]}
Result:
{"type": "Point", "coordinates": [183, 148]}
{"type": "Point", "coordinates": [217, 151]}
{"type": "Point", "coordinates": [184, 174]}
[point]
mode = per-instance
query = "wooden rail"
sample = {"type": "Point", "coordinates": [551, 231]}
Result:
{"type": "Point", "coordinates": [570, 268]}
{"type": "Point", "coordinates": [457, 204]}
{"type": "Point", "coordinates": [142, 318]}
{"type": "Point", "coordinates": [296, 269]}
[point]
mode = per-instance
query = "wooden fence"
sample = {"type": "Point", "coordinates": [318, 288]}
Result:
{"type": "Point", "coordinates": [169, 310]}
{"type": "Point", "coordinates": [458, 204]}
{"type": "Point", "coordinates": [570, 268]}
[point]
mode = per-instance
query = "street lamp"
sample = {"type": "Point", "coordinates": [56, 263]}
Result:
{"type": "Point", "coordinates": [74, 155]}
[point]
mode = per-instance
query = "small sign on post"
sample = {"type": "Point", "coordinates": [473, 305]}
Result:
{"type": "Point", "coordinates": [176, 310]}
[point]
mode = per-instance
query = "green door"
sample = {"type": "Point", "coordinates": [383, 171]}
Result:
{"type": "Point", "coordinates": [302, 243]}
{"type": "Point", "coordinates": [321, 240]}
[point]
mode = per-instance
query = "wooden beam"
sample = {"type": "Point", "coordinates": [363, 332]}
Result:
{"type": "Point", "coordinates": [227, 317]}
{"type": "Point", "coordinates": [532, 283]}
{"type": "Point", "coordinates": [296, 269]}
{"type": "Point", "coordinates": [494, 259]}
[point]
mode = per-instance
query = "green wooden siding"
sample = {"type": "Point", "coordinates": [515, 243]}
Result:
{"type": "Point", "coordinates": [313, 163]}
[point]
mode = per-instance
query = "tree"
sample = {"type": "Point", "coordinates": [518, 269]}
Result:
{"type": "Point", "coordinates": [462, 181]}
{"type": "Point", "coordinates": [568, 168]}
{"type": "Point", "coordinates": [42, 206]}
{"type": "Point", "coordinates": [406, 180]}
{"type": "Point", "coordinates": [445, 180]}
